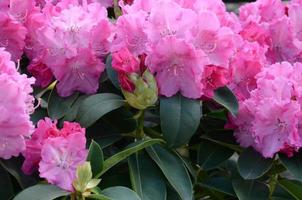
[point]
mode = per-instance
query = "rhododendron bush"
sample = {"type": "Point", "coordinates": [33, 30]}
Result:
{"type": "Point", "coordinates": [150, 100]}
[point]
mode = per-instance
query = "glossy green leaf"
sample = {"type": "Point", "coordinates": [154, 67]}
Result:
{"type": "Point", "coordinates": [281, 194]}
{"type": "Point", "coordinates": [146, 178]}
{"type": "Point", "coordinates": [219, 184]}
{"type": "Point", "coordinates": [6, 187]}
{"type": "Point", "coordinates": [96, 158]}
{"type": "Point", "coordinates": [112, 74]}
{"type": "Point", "coordinates": [58, 106]}
{"type": "Point", "coordinates": [211, 154]}
{"type": "Point", "coordinates": [120, 193]}
{"type": "Point", "coordinates": [98, 197]}
{"type": "Point", "coordinates": [96, 106]}
{"type": "Point", "coordinates": [252, 165]}
{"type": "Point", "coordinates": [250, 190]}
{"type": "Point", "coordinates": [174, 170]}
{"type": "Point", "coordinates": [293, 164]}
{"type": "Point", "coordinates": [41, 192]}
{"type": "Point", "coordinates": [180, 118]}
{"type": "Point", "coordinates": [113, 160]}
{"type": "Point", "coordinates": [72, 113]}
{"type": "Point", "coordinates": [293, 187]}
{"type": "Point", "coordinates": [225, 97]}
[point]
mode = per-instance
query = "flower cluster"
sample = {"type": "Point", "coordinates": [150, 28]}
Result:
{"type": "Point", "coordinates": [265, 75]}
{"type": "Point", "coordinates": [16, 104]}
{"type": "Point", "coordinates": [56, 153]}
{"type": "Point", "coordinates": [184, 55]}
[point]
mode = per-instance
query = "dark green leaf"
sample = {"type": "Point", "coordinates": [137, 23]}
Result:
{"type": "Point", "coordinates": [6, 187]}
{"type": "Point", "coordinates": [112, 74]}
{"type": "Point", "coordinates": [293, 164]}
{"type": "Point", "coordinates": [41, 192]}
{"type": "Point", "coordinates": [96, 106]}
{"type": "Point", "coordinates": [281, 194]}
{"type": "Point", "coordinates": [72, 113]}
{"type": "Point", "coordinates": [210, 154]}
{"type": "Point", "coordinates": [146, 178]}
{"type": "Point", "coordinates": [219, 184]}
{"type": "Point", "coordinates": [180, 118]}
{"type": "Point", "coordinates": [294, 188]}
{"type": "Point", "coordinates": [251, 164]}
{"type": "Point", "coordinates": [120, 193]}
{"type": "Point", "coordinates": [98, 197]}
{"type": "Point", "coordinates": [96, 158]}
{"type": "Point", "coordinates": [174, 170]}
{"type": "Point", "coordinates": [107, 140]}
{"type": "Point", "coordinates": [225, 97]}
{"type": "Point", "coordinates": [58, 106]}
{"type": "Point", "coordinates": [113, 160]}
{"type": "Point", "coordinates": [250, 190]}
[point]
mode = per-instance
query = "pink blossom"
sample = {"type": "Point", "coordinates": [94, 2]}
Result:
{"type": "Point", "coordinates": [213, 78]}
{"type": "Point", "coordinates": [245, 65]}
{"type": "Point", "coordinates": [41, 72]}
{"type": "Point", "coordinates": [60, 158]}
{"type": "Point", "coordinates": [124, 61]}
{"type": "Point", "coordinates": [178, 67]}
{"type": "Point", "coordinates": [45, 129]}
{"type": "Point", "coordinates": [12, 35]}
{"type": "Point", "coordinates": [216, 41]}
{"type": "Point", "coordinates": [16, 103]}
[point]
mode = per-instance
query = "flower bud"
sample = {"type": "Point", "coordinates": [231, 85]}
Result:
{"type": "Point", "coordinates": [145, 93]}
{"type": "Point", "coordinates": [84, 181]}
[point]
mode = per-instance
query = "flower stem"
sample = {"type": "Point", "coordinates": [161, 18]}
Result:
{"type": "Point", "coordinates": [272, 184]}
{"type": "Point", "coordinates": [140, 120]}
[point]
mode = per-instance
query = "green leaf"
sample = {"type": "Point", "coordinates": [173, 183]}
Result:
{"type": "Point", "coordinates": [6, 187]}
{"type": "Point", "coordinates": [113, 160]}
{"type": "Point", "coordinates": [112, 74]}
{"type": "Point", "coordinates": [250, 190]}
{"type": "Point", "coordinates": [72, 113]}
{"type": "Point", "coordinates": [41, 192]}
{"type": "Point", "coordinates": [293, 187]}
{"type": "Point", "coordinates": [107, 140]}
{"type": "Point", "coordinates": [219, 184]}
{"type": "Point", "coordinates": [98, 197]}
{"type": "Point", "coordinates": [251, 164]}
{"type": "Point", "coordinates": [96, 106]}
{"type": "Point", "coordinates": [146, 178]}
{"type": "Point", "coordinates": [211, 154]}
{"type": "Point", "coordinates": [281, 194]}
{"type": "Point", "coordinates": [96, 158]}
{"type": "Point", "coordinates": [120, 193]}
{"type": "Point", "coordinates": [180, 118]}
{"type": "Point", "coordinates": [225, 97]}
{"type": "Point", "coordinates": [293, 164]}
{"type": "Point", "coordinates": [174, 170]}
{"type": "Point", "coordinates": [58, 106]}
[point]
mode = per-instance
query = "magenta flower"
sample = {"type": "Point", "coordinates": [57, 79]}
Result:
{"type": "Point", "coordinates": [124, 61]}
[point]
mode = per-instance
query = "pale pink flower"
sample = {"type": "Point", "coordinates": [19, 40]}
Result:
{"type": "Point", "coordinates": [178, 67]}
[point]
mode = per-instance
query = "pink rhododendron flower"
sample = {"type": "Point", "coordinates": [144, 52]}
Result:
{"type": "Point", "coordinates": [216, 41]}
{"type": "Point", "coordinates": [12, 35]}
{"type": "Point", "coordinates": [56, 153]}
{"type": "Point", "coordinates": [269, 119]}
{"type": "Point", "coordinates": [41, 72]}
{"type": "Point", "coordinates": [60, 158]}
{"type": "Point", "coordinates": [178, 67]}
{"type": "Point", "coordinates": [16, 104]}
{"type": "Point", "coordinates": [124, 61]}
{"type": "Point", "coordinates": [71, 40]}
{"type": "Point", "coordinates": [245, 65]}
{"type": "Point", "coordinates": [45, 129]}
{"type": "Point", "coordinates": [213, 78]}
